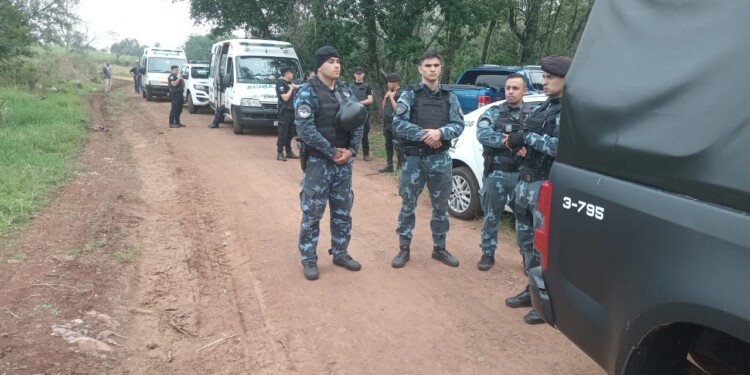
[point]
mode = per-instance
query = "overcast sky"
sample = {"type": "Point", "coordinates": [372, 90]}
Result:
{"type": "Point", "coordinates": [149, 21]}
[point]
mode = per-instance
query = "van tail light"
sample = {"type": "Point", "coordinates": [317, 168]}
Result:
{"type": "Point", "coordinates": [541, 234]}
{"type": "Point", "coordinates": [483, 100]}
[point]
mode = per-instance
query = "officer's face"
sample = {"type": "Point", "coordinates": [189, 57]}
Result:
{"type": "Point", "coordinates": [359, 77]}
{"type": "Point", "coordinates": [288, 76]}
{"type": "Point", "coordinates": [553, 85]}
{"type": "Point", "coordinates": [175, 71]}
{"type": "Point", "coordinates": [330, 69]}
{"type": "Point", "coordinates": [430, 69]}
{"type": "Point", "coordinates": [514, 91]}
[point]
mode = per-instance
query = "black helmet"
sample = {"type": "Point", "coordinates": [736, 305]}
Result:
{"type": "Point", "coordinates": [352, 114]}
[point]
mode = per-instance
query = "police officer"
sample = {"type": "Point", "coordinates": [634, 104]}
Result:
{"type": "Point", "coordinates": [328, 150]}
{"type": "Point", "coordinates": [176, 92]}
{"type": "Point", "coordinates": [390, 101]}
{"type": "Point", "coordinates": [536, 144]}
{"type": "Point", "coordinates": [285, 91]}
{"type": "Point", "coordinates": [363, 92]}
{"type": "Point", "coordinates": [135, 71]}
{"type": "Point", "coordinates": [425, 121]}
{"type": "Point", "coordinates": [500, 169]}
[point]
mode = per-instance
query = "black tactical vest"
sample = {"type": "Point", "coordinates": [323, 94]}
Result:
{"type": "Point", "coordinates": [542, 122]}
{"type": "Point", "coordinates": [507, 124]}
{"type": "Point", "coordinates": [430, 112]}
{"type": "Point", "coordinates": [325, 115]}
{"type": "Point", "coordinates": [360, 90]}
{"type": "Point", "coordinates": [388, 108]}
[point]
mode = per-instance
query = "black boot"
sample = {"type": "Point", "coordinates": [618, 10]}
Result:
{"type": "Point", "coordinates": [347, 262]}
{"type": "Point", "coordinates": [387, 169]}
{"type": "Point", "coordinates": [533, 317]}
{"type": "Point", "coordinates": [486, 262]}
{"type": "Point", "coordinates": [522, 299]}
{"type": "Point", "coordinates": [280, 156]}
{"type": "Point", "coordinates": [402, 257]}
{"type": "Point", "coordinates": [439, 253]}
{"type": "Point", "coordinates": [291, 155]}
{"type": "Point", "coordinates": [310, 268]}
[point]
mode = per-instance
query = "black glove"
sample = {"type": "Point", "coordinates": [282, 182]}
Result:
{"type": "Point", "coordinates": [516, 139]}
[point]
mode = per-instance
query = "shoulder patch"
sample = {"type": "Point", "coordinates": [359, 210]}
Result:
{"type": "Point", "coordinates": [346, 93]}
{"type": "Point", "coordinates": [401, 109]}
{"type": "Point", "coordinates": [304, 111]}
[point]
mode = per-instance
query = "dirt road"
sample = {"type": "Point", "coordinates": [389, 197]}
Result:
{"type": "Point", "coordinates": [191, 236]}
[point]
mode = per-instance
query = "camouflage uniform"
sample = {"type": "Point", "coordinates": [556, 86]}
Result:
{"type": "Point", "coordinates": [323, 181]}
{"type": "Point", "coordinates": [501, 171]}
{"type": "Point", "coordinates": [540, 138]}
{"type": "Point", "coordinates": [432, 169]}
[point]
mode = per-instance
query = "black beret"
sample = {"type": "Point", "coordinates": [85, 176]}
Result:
{"type": "Point", "coordinates": [393, 77]}
{"type": "Point", "coordinates": [359, 69]}
{"type": "Point", "coordinates": [556, 65]}
{"type": "Point", "coordinates": [323, 54]}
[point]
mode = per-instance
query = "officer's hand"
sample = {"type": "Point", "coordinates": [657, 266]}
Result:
{"type": "Point", "coordinates": [516, 139]}
{"type": "Point", "coordinates": [436, 145]}
{"type": "Point", "coordinates": [521, 152]}
{"type": "Point", "coordinates": [431, 136]}
{"type": "Point", "coordinates": [344, 155]}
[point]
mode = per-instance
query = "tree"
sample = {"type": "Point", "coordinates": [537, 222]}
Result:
{"type": "Point", "coordinates": [198, 47]}
{"type": "Point", "coordinates": [15, 33]}
{"type": "Point", "coordinates": [127, 46]}
{"type": "Point", "coordinates": [24, 23]}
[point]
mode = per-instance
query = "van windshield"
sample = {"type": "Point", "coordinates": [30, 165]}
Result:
{"type": "Point", "coordinates": [162, 64]}
{"type": "Point", "coordinates": [199, 72]}
{"type": "Point", "coordinates": [256, 69]}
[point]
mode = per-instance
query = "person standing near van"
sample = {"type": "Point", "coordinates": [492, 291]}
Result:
{"type": "Point", "coordinates": [425, 121]}
{"type": "Point", "coordinates": [327, 153]}
{"type": "Point", "coordinates": [135, 71]}
{"type": "Point", "coordinates": [285, 92]}
{"type": "Point", "coordinates": [500, 168]}
{"type": "Point", "coordinates": [176, 90]}
{"type": "Point", "coordinates": [536, 143]}
{"type": "Point", "coordinates": [363, 92]}
{"type": "Point", "coordinates": [107, 72]}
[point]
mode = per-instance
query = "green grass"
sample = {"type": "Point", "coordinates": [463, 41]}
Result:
{"type": "Point", "coordinates": [129, 255]}
{"type": "Point", "coordinates": [39, 136]}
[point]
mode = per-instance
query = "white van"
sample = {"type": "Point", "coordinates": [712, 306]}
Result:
{"type": "Point", "coordinates": [243, 78]}
{"type": "Point", "coordinates": [155, 63]}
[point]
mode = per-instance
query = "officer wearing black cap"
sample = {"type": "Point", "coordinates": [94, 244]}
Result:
{"type": "Point", "coordinates": [329, 127]}
{"type": "Point", "coordinates": [176, 93]}
{"type": "Point", "coordinates": [284, 91]}
{"type": "Point", "coordinates": [363, 92]}
{"type": "Point", "coordinates": [536, 144]}
{"type": "Point", "coordinates": [426, 119]}
{"type": "Point", "coordinates": [390, 101]}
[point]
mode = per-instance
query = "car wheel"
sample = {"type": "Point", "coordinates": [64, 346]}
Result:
{"type": "Point", "coordinates": [191, 107]}
{"type": "Point", "coordinates": [143, 92]}
{"type": "Point", "coordinates": [464, 201]}
{"type": "Point", "coordinates": [149, 97]}
{"type": "Point", "coordinates": [236, 122]}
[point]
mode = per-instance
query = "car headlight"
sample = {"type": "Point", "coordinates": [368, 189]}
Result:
{"type": "Point", "coordinates": [201, 87]}
{"type": "Point", "coordinates": [250, 102]}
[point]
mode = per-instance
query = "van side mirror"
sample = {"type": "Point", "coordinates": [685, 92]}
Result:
{"type": "Point", "coordinates": [227, 80]}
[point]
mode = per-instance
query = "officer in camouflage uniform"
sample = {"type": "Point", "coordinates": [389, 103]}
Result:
{"type": "Point", "coordinates": [425, 121]}
{"type": "Point", "coordinates": [328, 152]}
{"type": "Point", "coordinates": [537, 145]}
{"type": "Point", "coordinates": [500, 168]}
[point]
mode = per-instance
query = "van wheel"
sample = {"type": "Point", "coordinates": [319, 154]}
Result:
{"type": "Point", "coordinates": [149, 97]}
{"type": "Point", "coordinates": [236, 122]}
{"type": "Point", "coordinates": [464, 200]}
{"type": "Point", "coordinates": [143, 92]}
{"type": "Point", "coordinates": [191, 107]}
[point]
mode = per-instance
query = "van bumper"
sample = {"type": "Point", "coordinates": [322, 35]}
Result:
{"type": "Point", "coordinates": [539, 296]}
{"type": "Point", "coordinates": [257, 116]}
{"type": "Point", "coordinates": [155, 90]}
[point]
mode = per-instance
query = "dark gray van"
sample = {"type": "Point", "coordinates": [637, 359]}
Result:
{"type": "Point", "coordinates": [646, 238]}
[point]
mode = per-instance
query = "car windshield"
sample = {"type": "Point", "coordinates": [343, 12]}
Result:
{"type": "Point", "coordinates": [255, 69]}
{"type": "Point", "coordinates": [537, 80]}
{"type": "Point", "coordinates": [199, 72]}
{"type": "Point", "coordinates": [163, 64]}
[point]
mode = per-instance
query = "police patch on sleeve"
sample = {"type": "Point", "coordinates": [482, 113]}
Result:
{"type": "Point", "coordinates": [401, 109]}
{"type": "Point", "coordinates": [304, 111]}
{"type": "Point", "coordinates": [484, 123]}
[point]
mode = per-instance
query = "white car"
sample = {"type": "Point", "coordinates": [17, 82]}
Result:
{"type": "Point", "coordinates": [196, 85]}
{"type": "Point", "coordinates": [468, 165]}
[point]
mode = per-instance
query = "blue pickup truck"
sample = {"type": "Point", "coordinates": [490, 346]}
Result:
{"type": "Point", "coordinates": [485, 84]}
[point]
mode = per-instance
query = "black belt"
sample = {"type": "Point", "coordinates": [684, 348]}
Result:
{"type": "Point", "coordinates": [505, 167]}
{"type": "Point", "coordinates": [533, 175]}
{"type": "Point", "coordinates": [422, 151]}
{"type": "Point", "coordinates": [313, 152]}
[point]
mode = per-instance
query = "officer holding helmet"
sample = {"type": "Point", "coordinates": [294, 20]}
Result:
{"type": "Point", "coordinates": [536, 144]}
{"type": "Point", "coordinates": [329, 127]}
{"type": "Point", "coordinates": [426, 119]}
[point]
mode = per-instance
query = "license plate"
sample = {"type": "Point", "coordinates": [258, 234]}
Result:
{"type": "Point", "coordinates": [275, 123]}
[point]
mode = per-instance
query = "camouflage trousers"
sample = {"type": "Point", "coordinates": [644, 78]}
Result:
{"type": "Point", "coordinates": [325, 181]}
{"type": "Point", "coordinates": [496, 188]}
{"type": "Point", "coordinates": [528, 218]}
{"type": "Point", "coordinates": [435, 172]}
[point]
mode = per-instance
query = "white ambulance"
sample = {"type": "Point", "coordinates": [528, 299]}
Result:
{"type": "Point", "coordinates": [156, 63]}
{"type": "Point", "coordinates": [243, 78]}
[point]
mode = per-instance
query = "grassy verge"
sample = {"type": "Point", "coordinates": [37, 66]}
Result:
{"type": "Point", "coordinates": [39, 136]}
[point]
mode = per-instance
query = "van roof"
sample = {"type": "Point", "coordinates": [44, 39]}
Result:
{"type": "Point", "coordinates": [258, 43]}
{"type": "Point", "coordinates": [163, 52]}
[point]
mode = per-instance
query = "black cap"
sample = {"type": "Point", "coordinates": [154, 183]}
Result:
{"type": "Point", "coordinates": [285, 69]}
{"type": "Point", "coordinates": [556, 65]}
{"type": "Point", "coordinates": [359, 69]}
{"type": "Point", "coordinates": [323, 54]}
{"type": "Point", "coordinates": [393, 77]}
